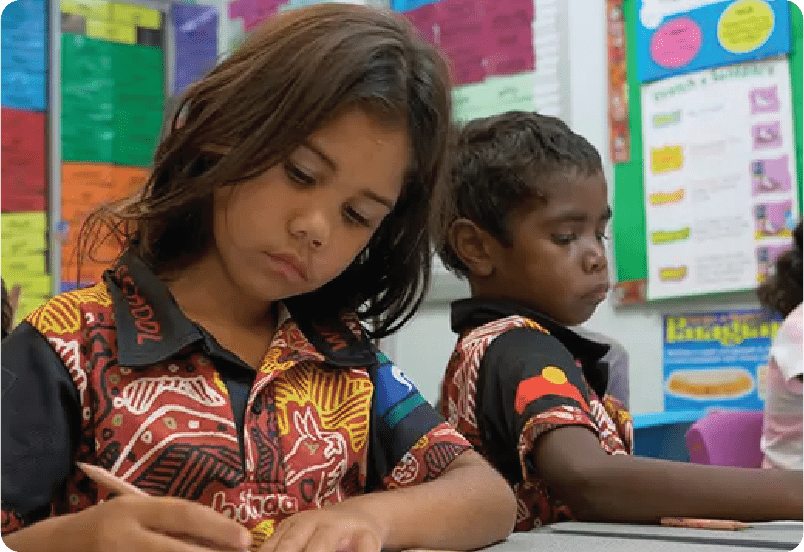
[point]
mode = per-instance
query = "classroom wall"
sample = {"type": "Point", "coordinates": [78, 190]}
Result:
{"type": "Point", "coordinates": [422, 348]}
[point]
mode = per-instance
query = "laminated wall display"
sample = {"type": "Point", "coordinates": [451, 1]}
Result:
{"type": "Point", "coordinates": [23, 163]}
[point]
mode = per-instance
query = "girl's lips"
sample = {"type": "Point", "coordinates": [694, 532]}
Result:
{"type": "Point", "coordinates": [290, 265]}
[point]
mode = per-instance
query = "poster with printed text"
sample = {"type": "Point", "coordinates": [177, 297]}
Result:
{"type": "Point", "coordinates": [681, 36]}
{"type": "Point", "coordinates": [720, 174]}
{"type": "Point", "coordinates": [717, 359]}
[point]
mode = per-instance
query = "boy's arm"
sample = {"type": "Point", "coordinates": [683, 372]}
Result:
{"type": "Point", "coordinates": [602, 487]}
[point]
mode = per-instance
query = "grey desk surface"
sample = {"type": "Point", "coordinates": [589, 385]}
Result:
{"type": "Point", "coordinates": [586, 536]}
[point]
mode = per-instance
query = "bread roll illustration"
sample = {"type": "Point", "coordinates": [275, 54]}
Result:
{"type": "Point", "coordinates": [718, 383]}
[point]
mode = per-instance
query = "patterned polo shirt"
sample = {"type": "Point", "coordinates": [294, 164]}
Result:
{"type": "Point", "coordinates": [115, 375]}
{"type": "Point", "coordinates": [515, 374]}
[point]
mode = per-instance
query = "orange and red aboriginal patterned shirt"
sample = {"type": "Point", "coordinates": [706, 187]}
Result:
{"type": "Point", "coordinates": [516, 374]}
{"type": "Point", "coordinates": [117, 376]}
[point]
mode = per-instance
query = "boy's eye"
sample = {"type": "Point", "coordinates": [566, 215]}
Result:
{"type": "Point", "coordinates": [297, 175]}
{"type": "Point", "coordinates": [351, 215]}
{"type": "Point", "coordinates": [602, 236]}
{"type": "Point", "coordinates": [563, 239]}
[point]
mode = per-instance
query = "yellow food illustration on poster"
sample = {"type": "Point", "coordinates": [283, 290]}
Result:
{"type": "Point", "coordinates": [723, 383]}
{"type": "Point", "coordinates": [666, 159]}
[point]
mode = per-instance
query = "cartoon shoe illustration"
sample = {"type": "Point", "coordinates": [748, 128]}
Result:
{"type": "Point", "coordinates": [766, 135]}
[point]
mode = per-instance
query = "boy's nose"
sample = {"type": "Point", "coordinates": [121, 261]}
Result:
{"type": "Point", "coordinates": [595, 259]}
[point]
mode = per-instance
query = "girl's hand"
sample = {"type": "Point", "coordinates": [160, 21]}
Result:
{"type": "Point", "coordinates": [143, 523]}
{"type": "Point", "coordinates": [334, 528]}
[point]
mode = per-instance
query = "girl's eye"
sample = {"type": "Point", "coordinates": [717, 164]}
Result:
{"type": "Point", "coordinates": [351, 215]}
{"type": "Point", "coordinates": [563, 239]}
{"type": "Point", "coordinates": [298, 176]}
{"type": "Point", "coordinates": [602, 236]}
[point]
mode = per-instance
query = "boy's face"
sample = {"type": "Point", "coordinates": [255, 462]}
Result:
{"type": "Point", "coordinates": [557, 263]}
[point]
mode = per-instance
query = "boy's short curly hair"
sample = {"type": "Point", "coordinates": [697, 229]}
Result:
{"type": "Point", "coordinates": [501, 162]}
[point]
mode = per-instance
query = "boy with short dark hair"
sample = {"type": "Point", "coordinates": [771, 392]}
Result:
{"type": "Point", "coordinates": [525, 222]}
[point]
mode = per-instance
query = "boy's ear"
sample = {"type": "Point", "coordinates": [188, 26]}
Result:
{"type": "Point", "coordinates": [470, 244]}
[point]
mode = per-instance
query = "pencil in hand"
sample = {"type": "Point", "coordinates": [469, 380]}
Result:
{"type": "Point", "coordinates": [122, 487]}
{"type": "Point", "coordinates": [109, 481]}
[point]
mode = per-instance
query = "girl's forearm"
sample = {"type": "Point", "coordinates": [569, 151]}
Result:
{"type": "Point", "coordinates": [44, 536]}
{"type": "Point", "coordinates": [468, 506]}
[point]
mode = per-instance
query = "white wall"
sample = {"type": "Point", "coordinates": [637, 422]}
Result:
{"type": "Point", "coordinates": [423, 346]}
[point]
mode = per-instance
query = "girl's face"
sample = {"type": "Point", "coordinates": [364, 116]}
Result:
{"type": "Point", "coordinates": [301, 223]}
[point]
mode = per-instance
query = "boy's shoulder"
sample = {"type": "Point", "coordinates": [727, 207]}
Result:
{"type": "Point", "coordinates": [482, 324]}
{"type": "Point", "coordinates": [505, 334]}
{"type": "Point", "coordinates": [493, 330]}
{"type": "Point", "coordinates": [486, 319]}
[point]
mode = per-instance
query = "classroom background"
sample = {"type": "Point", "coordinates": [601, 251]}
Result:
{"type": "Point", "coordinates": [695, 107]}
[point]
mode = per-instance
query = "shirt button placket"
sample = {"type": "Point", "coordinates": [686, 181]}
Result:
{"type": "Point", "coordinates": [269, 468]}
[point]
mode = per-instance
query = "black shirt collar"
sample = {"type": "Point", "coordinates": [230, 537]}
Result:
{"type": "Point", "coordinates": [152, 328]}
{"type": "Point", "coordinates": [468, 314]}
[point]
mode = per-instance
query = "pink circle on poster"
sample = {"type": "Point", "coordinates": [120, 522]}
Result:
{"type": "Point", "coordinates": [675, 43]}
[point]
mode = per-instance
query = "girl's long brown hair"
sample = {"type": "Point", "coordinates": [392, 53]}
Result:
{"type": "Point", "coordinates": [294, 74]}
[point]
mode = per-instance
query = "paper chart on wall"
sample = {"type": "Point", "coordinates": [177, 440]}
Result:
{"type": "Point", "coordinates": [719, 177]}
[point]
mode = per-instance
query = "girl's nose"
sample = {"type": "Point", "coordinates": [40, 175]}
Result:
{"type": "Point", "coordinates": [311, 226]}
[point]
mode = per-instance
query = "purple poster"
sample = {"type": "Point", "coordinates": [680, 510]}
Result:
{"type": "Point", "coordinates": [196, 42]}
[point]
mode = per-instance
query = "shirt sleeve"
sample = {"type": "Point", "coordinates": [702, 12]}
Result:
{"type": "Point", "coordinates": [40, 424]}
{"type": "Point", "coordinates": [617, 361]}
{"type": "Point", "coordinates": [528, 384]}
{"type": "Point", "coordinates": [410, 441]}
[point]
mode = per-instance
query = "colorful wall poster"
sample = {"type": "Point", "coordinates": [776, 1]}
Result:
{"type": "Point", "coordinates": [23, 49]}
{"type": "Point", "coordinates": [680, 37]}
{"type": "Point", "coordinates": [719, 177]}
{"type": "Point", "coordinates": [24, 163]}
{"type": "Point", "coordinates": [23, 259]}
{"type": "Point", "coordinates": [517, 64]}
{"type": "Point", "coordinates": [454, 25]}
{"type": "Point", "coordinates": [112, 100]}
{"type": "Point", "coordinates": [86, 186]}
{"type": "Point", "coordinates": [717, 359]}
{"type": "Point", "coordinates": [196, 43]}
{"type": "Point", "coordinates": [24, 220]}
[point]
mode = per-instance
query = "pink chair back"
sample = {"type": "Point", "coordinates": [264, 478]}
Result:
{"type": "Point", "coordinates": [726, 438]}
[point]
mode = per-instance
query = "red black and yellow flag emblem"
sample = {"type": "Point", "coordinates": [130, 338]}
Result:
{"type": "Point", "coordinates": [552, 381]}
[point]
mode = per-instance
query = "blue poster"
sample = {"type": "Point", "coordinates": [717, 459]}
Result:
{"type": "Point", "coordinates": [23, 43]}
{"type": "Point", "coordinates": [715, 33]}
{"type": "Point", "coordinates": [717, 359]}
